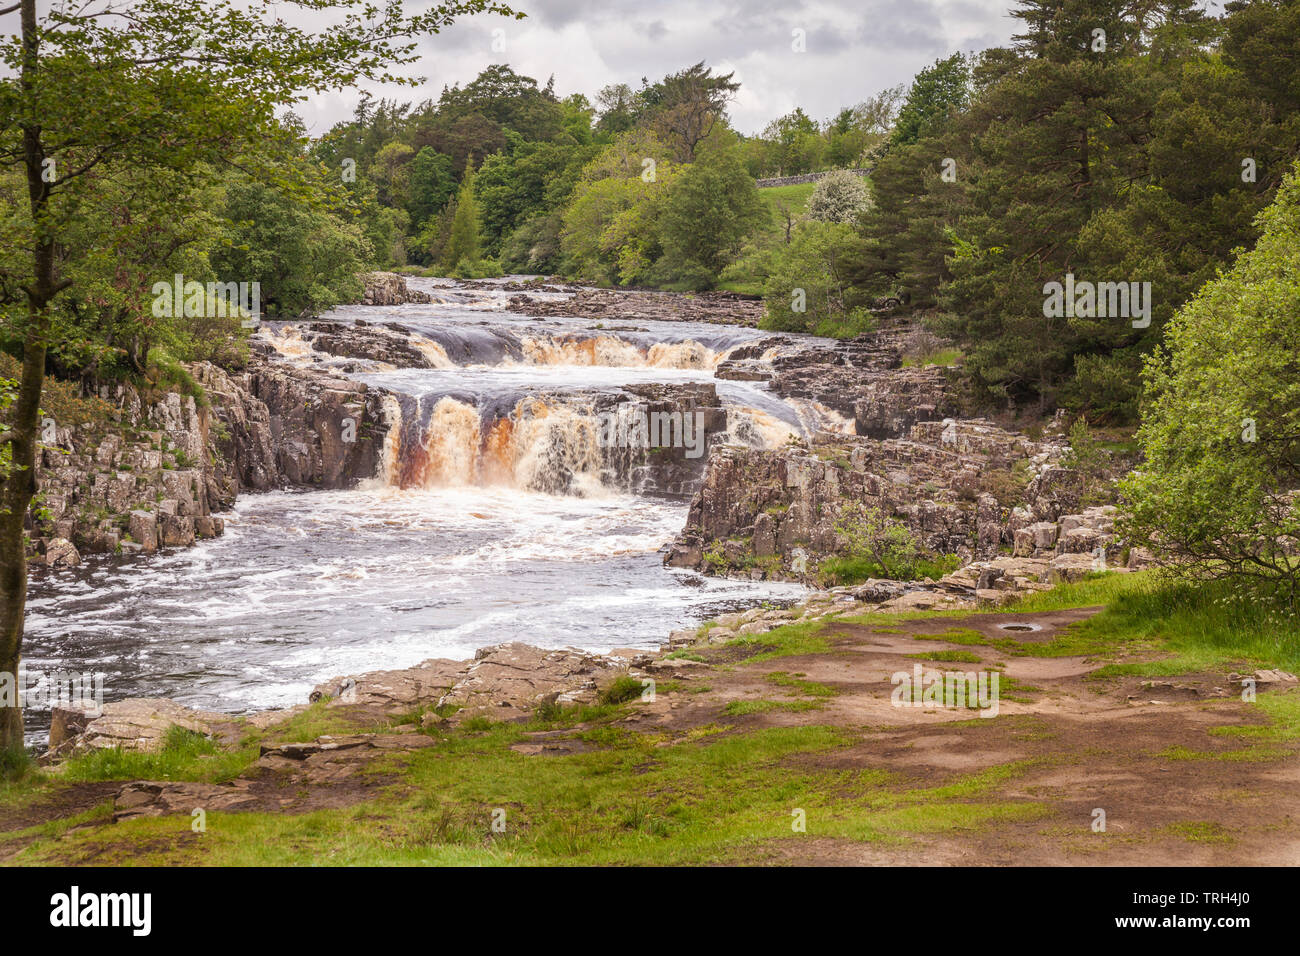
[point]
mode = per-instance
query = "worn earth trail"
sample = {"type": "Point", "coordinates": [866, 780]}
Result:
{"type": "Point", "coordinates": [1185, 771]}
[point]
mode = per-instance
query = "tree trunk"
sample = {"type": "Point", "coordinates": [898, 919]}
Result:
{"type": "Point", "coordinates": [19, 487]}
{"type": "Point", "coordinates": [15, 498]}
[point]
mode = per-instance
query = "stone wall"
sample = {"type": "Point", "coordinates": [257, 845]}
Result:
{"type": "Point", "coordinates": [797, 180]}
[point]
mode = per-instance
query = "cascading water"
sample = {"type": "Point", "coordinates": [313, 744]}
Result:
{"type": "Point", "coordinates": [498, 514]}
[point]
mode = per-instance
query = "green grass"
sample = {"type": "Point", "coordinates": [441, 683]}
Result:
{"type": "Point", "coordinates": [801, 637]}
{"type": "Point", "coordinates": [847, 571]}
{"type": "Point", "coordinates": [957, 657]}
{"type": "Point", "coordinates": [1200, 832]}
{"type": "Point", "coordinates": [1200, 626]}
{"type": "Point", "coordinates": [796, 684]}
{"type": "Point", "coordinates": [741, 708]}
{"type": "Point", "coordinates": [795, 196]}
{"type": "Point", "coordinates": [713, 797]}
{"type": "Point", "coordinates": [622, 689]}
{"type": "Point", "coordinates": [184, 755]}
{"type": "Point", "coordinates": [955, 635]}
{"type": "Point", "coordinates": [942, 357]}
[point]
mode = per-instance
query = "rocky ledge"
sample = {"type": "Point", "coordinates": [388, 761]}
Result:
{"type": "Point", "coordinates": [962, 487]}
{"type": "Point", "coordinates": [722, 308]}
{"type": "Point", "coordinates": [147, 473]}
{"type": "Point", "coordinates": [388, 288]}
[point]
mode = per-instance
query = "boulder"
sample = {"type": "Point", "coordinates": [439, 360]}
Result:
{"type": "Point", "coordinates": [60, 553]}
{"type": "Point", "coordinates": [141, 723]}
{"type": "Point", "coordinates": [143, 529]}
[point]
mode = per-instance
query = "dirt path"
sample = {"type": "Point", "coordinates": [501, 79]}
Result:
{"type": "Point", "coordinates": [1184, 770]}
{"type": "Point", "coordinates": [1142, 750]}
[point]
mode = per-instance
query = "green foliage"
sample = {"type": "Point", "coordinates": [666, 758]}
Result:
{"type": "Point", "coordinates": [936, 92]}
{"type": "Point", "coordinates": [1221, 434]}
{"type": "Point", "coordinates": [184, 755]}
{"type": "Point", "coordinates": [709, 210]}
{"type": "Point", "coordinates": [1122, 165]}
{"type": "Point", "coordinates": [622, 689]}
{"type": "Point", "coordinates": [808, 289]}
{"type": "Point", "coordinates": [464, 240]}
{"type": "Point", "coordinates": [839, 571]}
{"type": "Point", "coordinates": [305, 259]}
{"type": "Point", "coordinates": [869, 532]}
{"type": "Point", "coordinates": [431, 184]}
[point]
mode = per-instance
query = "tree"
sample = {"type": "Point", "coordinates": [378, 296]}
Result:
{"type": "Point", "coordinates": [872, 534]}
{"type": "Point", "coordinates": [618, 106]}
{"type": "Point", "coordinates": [795, 143]}
{"type": "Point", "coordinates": [391, 171]}
{"type": "Point", "coordinates": [466, 226]}
{"type": "Point", "coordinates": [684, 107]}
{"type": "Point", "coordinates": [509, 100]}
{"type": "Point", "coordinates": [431, 184]}
{"type": "Point", "coordinates": [709, 210]}
{"type": "Point", "coordinates": [808, 287]}
{"type": "Point", "coordinates": [936, 92]}
{"type": "Point", "coordinates": [162, 84]}
{"type": "Point", "coordinates": [305, 259]}
{"type": "Point", "coordinates": [1217, 495]}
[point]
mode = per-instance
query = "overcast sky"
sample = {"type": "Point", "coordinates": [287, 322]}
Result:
{"type": "Point", "coordinates": [853, 48]}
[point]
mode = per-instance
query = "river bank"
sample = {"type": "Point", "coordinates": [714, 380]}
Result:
{"type": "Point", "coordinates": [789, 746]}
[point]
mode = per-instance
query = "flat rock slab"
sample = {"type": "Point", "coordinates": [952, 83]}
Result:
{"type": "Point", "coordinates": [142, 723]}
{"type": "Point", "coordinates": [511, 680]}
{"type": "Point", "coordinates": [392, 693]}
{"type": "Point", "coordinates": [156, 799]}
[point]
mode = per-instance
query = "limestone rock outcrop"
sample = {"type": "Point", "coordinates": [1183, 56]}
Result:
{"type": "Point", "coordinates": [962, 487]}
{"type": "Point", "coordinates": [388, 288]}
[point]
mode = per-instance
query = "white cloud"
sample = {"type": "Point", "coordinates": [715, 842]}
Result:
{"type": "Point", "coordinates": [854, 48]}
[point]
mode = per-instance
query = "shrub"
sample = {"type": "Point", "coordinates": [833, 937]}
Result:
{"type": "Point", "coordinates": [839, 196]}
{"type": "Point", "coordinates": [872, 535]}
{"type": "Point", "coordinates": [622, 689]}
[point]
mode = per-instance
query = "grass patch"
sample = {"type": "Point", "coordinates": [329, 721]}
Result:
{"type": "Point", "coordinates": [796, 684]}
{"type": "Point", "coordinates": [956, 657]}
{"type": "Point", "coordinates": [741, 708]}
{"type": "Point", "coordinates": [621, 690]}
{"type": "Point", "coordinates": [1200, 832]}
{"type": "Point", "coordinates": [1197, 627]}
{"type": "Point", "coordinates": [800, 637]}
{"type": "Point", "coordinates": [955, 635]}
{"type": "Point", "coordinates": [949, 356]}
{"type": "Point", "coordinates": [184, 755]}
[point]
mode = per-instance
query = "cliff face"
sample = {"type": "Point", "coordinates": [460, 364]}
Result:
{"type": "Point", "coordinates": [285, 426]}
{"type": "Point", "coordinates": [155, 472]}
{"type": "Point", "coordinates": [966, 488]}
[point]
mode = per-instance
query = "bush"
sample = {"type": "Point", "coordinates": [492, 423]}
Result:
{"type": "Point", "coordinates": [808, 289]}
{"type": "Point", "coordinates": [476, 269]}
{"type": "Point", "coordinates": [1221, 434]}
{"type": "Point", "coordinates": [622, 689]}
{"type": "Point", "coordinates": [839, 196]}
{"type": "Point", "coordinates": [871, 535]}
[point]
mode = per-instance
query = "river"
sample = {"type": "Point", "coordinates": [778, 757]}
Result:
{"type": "Point", "coordinates": [434, 561]}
